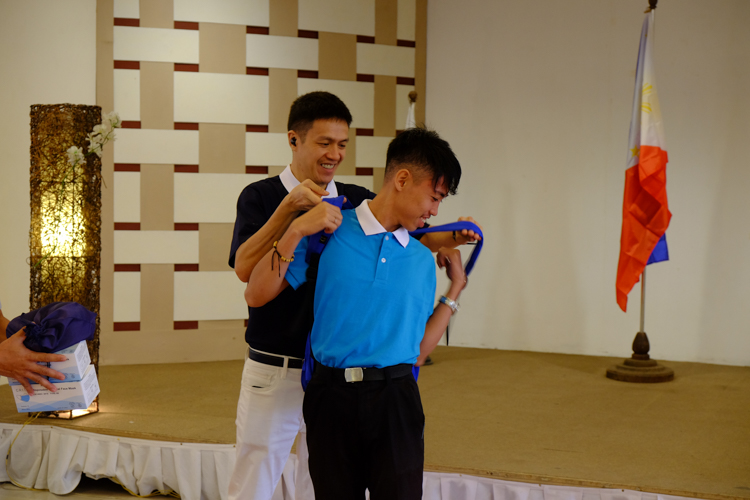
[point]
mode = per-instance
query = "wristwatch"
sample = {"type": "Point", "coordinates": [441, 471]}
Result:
{"type": "Point", "coordinates": [450, 303]}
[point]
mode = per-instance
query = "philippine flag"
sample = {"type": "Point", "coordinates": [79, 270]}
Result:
{"type": "Point", "coordinates": [645, 212]}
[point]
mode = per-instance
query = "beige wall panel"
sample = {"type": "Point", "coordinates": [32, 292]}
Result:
{"type": "Point", "coordinates": [156, 146]}
{"type": "Point", "coordinates": [274, 170]}
{"type": "Point", "coordinates": [267, 149]}
{"type": "Point", "coordinates": [214, 241]}
{"type": "Point", "coordinates": [222, 48]}
{"type": "Point", "coordinates": [222, 324]}
{"type": "Point", "coordinates": [374, 59]}
{"type": "Point", "coordinates": [243, 12]}
{"type": "Point", "coordinates": [385, 106]}
{"type": "Point", "coordinates": [127, 8]}
{"type": "Point", "coordinates": [283, 17]}
{"type": "Point", "coordinates": [172, 346]}
{"type": "Point", "coordinates": [407, 19]}
{"type": "Point", "coordinates": [222, 148]}
{"type": "Point", "coordinates": [219, 98]}
{"type": "Point", "coordinates": [359, 97]}
{"type": "Point", "coordinates": [157, 197]}
{"type": "Point", "coordinates": [282, 91]}
{"type": "Point", "coordinates": [157, 296]}
{"type": "Point", "coordinates": [337, 56]}
{"type": "Point", "coordinates": [127, 297]}
{"type": "Point", "coordinates": [156, 247]}
{"type": "Point", "coordinates": [338, 16]}
{"type": "Point", "coordinates": [420, 59]}
{"type": "Point", "coordinates": [386, 16]}
{"type": "Point", "coordinates": [377, 179]}
{"type": "Point", "coordinates": [127, 85]}
{"type": "Point", "coordinates": [157, 95]}
{"type": "Point", "coordinates": [264, 51]}
{"type": "Point", "coordinates": [209, 197]}
{"type": "Point", "coordinates": [156, 14]}
{"type": "Point", "coordinates": [365, 181]}
{"type": "Point", "coordinates": [155, 44]}
{"type": "Point", "coordinates": [127, 196]}
{"type": "Point", "coordinates": [402, 105]}
{"type": "Point", "coordinates": [349, 165]}
{"type": "Point", "coordinates": [208, 296]}
{"type": "Point", "coordinates": [371, 151]}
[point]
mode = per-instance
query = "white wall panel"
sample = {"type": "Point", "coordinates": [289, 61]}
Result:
{"type": "Point", "coordinates": [360, 180]}
{"type": "Point", "coordinates": [267, 149]}
{"type": "Point", "coordinates": [208, 296]}
{"type": "Point", "coordinates": [371, 151]}
{"type": "Point", "coordinates": [156, 146]}
{"type": "Point", "coordinates": [127, 83]}
{"type": "Point", "coordinates": [127, 299]}
{"type": "Point", "coordinates": [127, 8]}
{"type": "Point", "coordinates": [375, 59]}
{"type": "Point", "coordinates": [359, 97]}
{"type": "Point", "coordinates": [156, 247]}
{"type": "Point", "coordinates": [247, 12]}
{"type": "Point", "coordinates": [155, 44]}
{"type": "Point", "coordinates": [209, 197]}
{"type": "Point", "coordinates": [127, 191]}
{"type": "Point", "coordinates": [407, 20]}
{"type": "Point", "coordinates": [338, 16]}
{"type": "Point", "coordinates": [220, 98]}
{"type": "Point", "coordinates": [264, 51]}
{"type": "Point", "coordinates": [402, 104]}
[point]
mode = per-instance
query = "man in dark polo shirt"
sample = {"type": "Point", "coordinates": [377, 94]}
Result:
{"type": "Point", "coordinates": [269, 411]}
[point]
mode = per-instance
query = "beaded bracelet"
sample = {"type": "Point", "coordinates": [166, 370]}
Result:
{"type": "Point", "coordinates": [280, 257]}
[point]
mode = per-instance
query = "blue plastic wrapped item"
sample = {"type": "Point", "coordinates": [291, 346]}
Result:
{"type": "Point", "coordinates": [55, 326]}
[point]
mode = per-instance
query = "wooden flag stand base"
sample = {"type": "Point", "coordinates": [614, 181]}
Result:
{"type": "Point", "coordinates": [640, 367]}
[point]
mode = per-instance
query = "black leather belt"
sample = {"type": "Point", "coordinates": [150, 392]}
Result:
{"type": "Point", "coordinates": [267, 359]}
{"type": "Point", "coordinates": [361, 374]}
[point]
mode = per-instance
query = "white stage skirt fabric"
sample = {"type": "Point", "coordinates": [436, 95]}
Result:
{"type": "Point", "coordinates": [53, 458]}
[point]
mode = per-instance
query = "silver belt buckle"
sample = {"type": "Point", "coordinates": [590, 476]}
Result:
{"type": "Point", "coordinates": [354, 374]}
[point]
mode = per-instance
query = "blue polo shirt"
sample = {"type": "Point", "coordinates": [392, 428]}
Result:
{"type": "Point", "coordinates": [374, 294]}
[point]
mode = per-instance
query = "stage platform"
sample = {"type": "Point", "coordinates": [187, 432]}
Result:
{"type": "Point", "coordinates": [537, 418]}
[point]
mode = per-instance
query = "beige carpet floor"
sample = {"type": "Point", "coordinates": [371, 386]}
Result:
{"type": "Point", "coordinates": [532, 417]}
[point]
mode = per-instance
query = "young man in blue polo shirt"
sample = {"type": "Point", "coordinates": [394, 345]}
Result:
{"type": "Point", "coordinates": [374, 319]}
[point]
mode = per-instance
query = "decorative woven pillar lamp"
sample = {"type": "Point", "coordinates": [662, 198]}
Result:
{"type": "Point", "coordinates": [65, 240]}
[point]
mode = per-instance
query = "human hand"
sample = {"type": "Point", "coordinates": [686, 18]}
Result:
{"type": "Point", "coordinates": [306, 196]}
{"type": "Point", "coordinates": [323, 217]}
{"type": "Point", "coordinates": [450, 259]}
{"type": "Point", "coordinates": [467, 235]}
{"type": "Point", "coordinates": [20, 363]}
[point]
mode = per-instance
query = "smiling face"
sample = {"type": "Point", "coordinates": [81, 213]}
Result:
{"type": "Point", "coordinates": [419, 200]}
{"type": "Point", "coordinates": [320, 152]}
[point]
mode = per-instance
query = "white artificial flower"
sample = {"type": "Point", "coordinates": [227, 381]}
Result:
{"type": "Point", "coordinates": [75, 156]}
{"type": "Point", "coordinates": [113, 119]}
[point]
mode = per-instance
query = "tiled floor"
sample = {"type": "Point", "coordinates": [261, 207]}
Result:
{"type": "Point", "coordinates": [88, 489]}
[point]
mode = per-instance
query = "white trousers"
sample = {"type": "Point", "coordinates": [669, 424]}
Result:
{"type": "Point", "coordinates": [269, 417]}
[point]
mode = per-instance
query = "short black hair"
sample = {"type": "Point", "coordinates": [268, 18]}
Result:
{"type": "Point", "coordinates": [424, 151]}
{"type": "Point", "coordinates": [313, 106]}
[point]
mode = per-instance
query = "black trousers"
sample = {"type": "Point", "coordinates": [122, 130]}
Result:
{"type": "Point", "coordinates": [365, 435]}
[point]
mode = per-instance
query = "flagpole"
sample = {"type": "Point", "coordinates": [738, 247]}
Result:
{"type": "Point", "coordinates": [643, 300]}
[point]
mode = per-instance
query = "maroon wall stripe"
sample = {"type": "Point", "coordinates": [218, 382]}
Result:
{"type": "Point", "coordinates": [127, 65]}
{"type": "Point", "coordinates": [127, 268]}
{"type": "Point", "coordinates": [186, 25]}
{"type": "Point", "coordinates": [185, 325]}
{"type": "Point", "coordinates": [406, 43]}
{"type": "Point", "coordinates": [365, 39]}
{"type": "Point", "coordinates": [126, 21]}
{"type": "Point", "coordinates": [258, 30]}
{"type": "Point", "coordinates": [303, 73]}
{"type": "Point", "coordinates": [186, 226]}
{"type": "Point", "coordinates": [245, 323]}
{"type": "Point", "coordinates": [178, 268]}
{"type": "Point", "coordinates": [186, 67]}
{"type": "Point", "coordinates": [127, 226]}
{"type": "Point", "coordinates": [186, 169]}
{"type": "Point", "coordinates": [365, 78]}
{"type": "Point", "coordinates": [127, 326]}
{"type": "Point", "coordinates": [256, 128]}
{"type": "Point", "coordinates": [307, 34]}
{"type": "Point", "coordinates": [249, 169]}
{"type": "Point", "coordinates": [362, 171]}
{"type": "Point", "coordinates": [127, 167]}
{"type": "Point", "coordinates": [185, 126]}
{"type": "Point", "coordinates": [130, 124]}
{"type": "Point", "coordinates": [256, 71]}
{"type": "Point", "coordinates": [366, 132]}
{"type": "Point", "coordinates": [402, 80]}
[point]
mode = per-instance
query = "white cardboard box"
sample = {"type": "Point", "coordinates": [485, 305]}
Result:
{"type": "Point", "coordinates": [69, 396]}
{"type": "Point", "coordinates": [73, 368]}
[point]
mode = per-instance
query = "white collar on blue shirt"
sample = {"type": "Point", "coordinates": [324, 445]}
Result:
{"type": "Point", "coordinates": [370, 224]}
{"type": "Point", "coordinates": [290, 182]}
